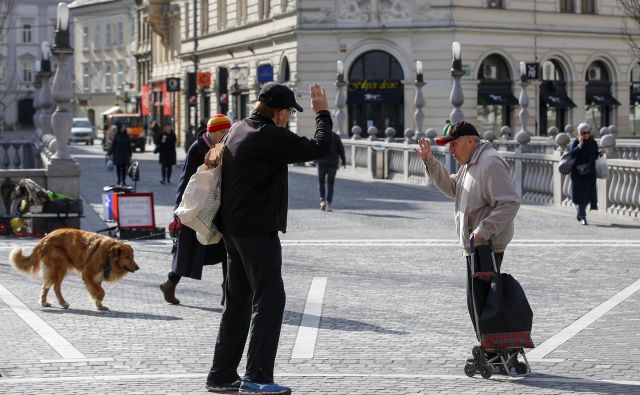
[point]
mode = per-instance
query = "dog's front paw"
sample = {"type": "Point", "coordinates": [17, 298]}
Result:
{"type": "Point", "coordinates": [102, 307]}
{"type": "Point", "coordinates": [64, 305]}
{"type": "Point", "coordinates": [45, 304]}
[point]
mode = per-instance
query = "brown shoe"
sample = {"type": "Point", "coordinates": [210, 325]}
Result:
{"type": "Point", "coordinates": [168, 288]}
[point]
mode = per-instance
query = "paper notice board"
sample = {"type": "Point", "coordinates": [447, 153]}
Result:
{"type": "Point", "coordinates": [135, 210]}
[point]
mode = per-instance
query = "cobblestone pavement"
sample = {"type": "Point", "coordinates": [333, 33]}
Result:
{"type": "Point", "coordinates": [393, 319]}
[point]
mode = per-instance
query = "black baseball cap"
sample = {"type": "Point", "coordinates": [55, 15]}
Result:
{"type": "Point", "coordinates": [277, 95]}
{"type": "Point", "coordinates": [456, 130]}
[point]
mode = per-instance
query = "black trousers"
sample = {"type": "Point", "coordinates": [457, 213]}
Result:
{"type": "Point", "coordinates": [328, 173]}
{"type": "Point", "coordinates": [121, 171]}
{"type": "Point", "coordinates": [479, 295]}
{"type": "Point", "coordinates": [254, 306]}
{"type": "Point", "coordinates": [166, 171]}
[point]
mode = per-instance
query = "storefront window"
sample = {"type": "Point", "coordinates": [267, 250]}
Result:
{"type": "Point", "coordinates": [634, 111]}
{"type": "Point", "coordinates": [600, 101]}
{"type": "Point", "coordinates": [375, 95]}
{"type": "Point", "coordinates": [554, 101]}
{"type": "Point", "coordinates": [495, 97]}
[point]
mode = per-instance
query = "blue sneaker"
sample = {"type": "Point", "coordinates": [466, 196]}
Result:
{"type": "Point", "coordinates": [212, 386]}
{"type": "Point", "coordinates": [249, 387]}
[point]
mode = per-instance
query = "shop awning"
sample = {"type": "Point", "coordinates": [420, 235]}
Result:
{"type": "Point", "coordinates": [112, 110]}
{"type": "Point", "coordinates": [558, 100]}
{"type": "Point", "coordinates": [602, 99]}
{"type": "Point", "coordinates": [497, 99]}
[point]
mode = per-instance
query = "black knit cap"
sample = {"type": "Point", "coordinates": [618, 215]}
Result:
{"type": "Point", "coordinates": [278, 96]}
{"type": "Point", "coordinates": [456, 130]}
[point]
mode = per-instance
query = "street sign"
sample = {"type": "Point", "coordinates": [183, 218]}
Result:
{"type": "Point", "coordinates": [466, 69]}
{"type": "Point", "coordinates": [265, 73]}
{"type": "Point", "coordinates": [533, 71]}
{"type": "Point", "coordinates": [204, 79]}
{"type": "Point", "coordinates": [173, 84]}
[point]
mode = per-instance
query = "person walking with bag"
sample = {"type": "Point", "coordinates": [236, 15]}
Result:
{"type": "Point", "coordinates": [583, 173]}
{"type": "Point", "coordinates": [486, 200]}
{"type": "Point", "coordinates": [254, 162]}
{"type": "Point", "coordinates": [189, 256]}
{"type": "Point", "coordinates": [167, 150]}
{"type": "Point", "coordinates": [327, 169]}
{"type": "Point", "coordinates": [120, 153]}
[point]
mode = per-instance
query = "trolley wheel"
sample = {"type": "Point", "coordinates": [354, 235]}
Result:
{"type": "Point", "coordinates": [470, 369]}
{"type": "Point", "coordinates": [478, 354]}
{"type": "Point", "coordinates": [485, 371]}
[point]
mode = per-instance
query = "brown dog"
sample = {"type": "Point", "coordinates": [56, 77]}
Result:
{"type": "Point", "coordinates": [96, 257]}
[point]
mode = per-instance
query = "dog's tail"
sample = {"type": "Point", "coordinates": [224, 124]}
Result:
{"type": "Point", "coordinates": [26, 264]}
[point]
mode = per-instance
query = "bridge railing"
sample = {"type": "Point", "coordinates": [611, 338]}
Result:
{"type": "Point", "coordinates": [535, 174]}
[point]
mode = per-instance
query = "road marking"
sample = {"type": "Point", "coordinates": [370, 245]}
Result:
{"type": "Point", "coordinates": [305, 344]}
{"type": "Point", "coordinates": [46, 332]}
{"type": "Point", "coordinates": [581, 323]}
{"type": "Point", "coordinates": [198, 376]}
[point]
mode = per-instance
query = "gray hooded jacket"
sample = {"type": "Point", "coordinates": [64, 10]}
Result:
{"type": "Point", "coordinates": [486, 201]}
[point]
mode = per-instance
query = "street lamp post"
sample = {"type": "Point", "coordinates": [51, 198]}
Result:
{"type": "Point", "coordinates": [523, 136]}
{"type": "Point", "coordinates": [457, 97]}
{"type": "Point", "coordinates": [340, 99]}
{"type": "Point", "coordinates": [235, 90]}
{"type": "Point", "coordinates": [418, 101]}
{"type": "Point", "coordinates": [61, 120]}
{"type": "Point", "coordinates": [45, 92]}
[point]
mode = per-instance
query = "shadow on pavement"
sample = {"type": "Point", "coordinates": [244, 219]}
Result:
{"type": "Point", "coordinates": [576, 384]}
{"type": "Point", "coordinates": [114, 314]}
{"type": "Point", "coordinates": [210, 309]}
{"type": "Point", "coordinates": [379, 215]}
{"type": "Point", "coordinates": [620, 226]}
{"type": "Point", "coordinates": [295, 318]}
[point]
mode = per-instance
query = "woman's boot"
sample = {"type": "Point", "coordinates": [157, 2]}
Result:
{"type": "Point", "coordinates": [168, 288]}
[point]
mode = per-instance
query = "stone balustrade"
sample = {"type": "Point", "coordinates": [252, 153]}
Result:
{"type": "Point", "coordinates": [535, 174]}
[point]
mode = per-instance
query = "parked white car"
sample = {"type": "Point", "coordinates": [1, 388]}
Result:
{"type": "Point", "coordinates": [82, 130]}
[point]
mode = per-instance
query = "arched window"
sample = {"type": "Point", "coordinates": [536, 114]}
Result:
{"type": "Point", "coordinates": [375, 94]}
{"type": "Point", "coordinates": [284, 73]}
{"type": "Point", "coordinates": [600, 101]}
{"type": "Point", "coordinates": [495, 98]}
{"type": "Point", "coordinates": [554, 101]}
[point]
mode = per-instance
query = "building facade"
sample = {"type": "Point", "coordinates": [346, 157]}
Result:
{"type": "Point", "coordinates": [579, 63]}
{"type": "Point", "coordinates": [105, 68]}
{"type": "Point", "coordinates": [24, 25]}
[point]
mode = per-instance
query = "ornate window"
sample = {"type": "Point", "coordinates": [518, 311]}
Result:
{"type": "Point", "coordinates": [26, 33]}
{"type": "Point", "coordinates": [108, 80]}
{"type": "Point", "coordinates": [634, 111]}
{"type": "Point", "coordinates": [120, 34]}
{"type": "Point", "coordinates": [204, 15]}
{"type": "Point", "coordinates": [588, 6]}
{"type": "Point", "coordinates": [222, 14]}
{"type": "Point", "coordinates": [495, 4]}
{"type": "Point", "coordinates": [554, 101]}
{"type": "Point", "coordinates": [85, 37]}
{"type": "Point", "coordinates": [27, 71]}
{"type": "Point", "coordinates": [264, 9]}
{"type": "Point", "coordinates": [495, 96]}
{"type": "Point", "coordinates": [86, 80]}
{"type": "Point", "coordinates": [600, 101]}
{"type": "Point", "coordinates": [96, 37]}
{"type": "Point", "coordinates": [241, 11]}
{"type": "Point", "coordinates": [107, 35]}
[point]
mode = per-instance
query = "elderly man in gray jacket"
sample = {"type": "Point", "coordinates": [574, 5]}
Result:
{"type": "Point", "coordinates": [486, 201]}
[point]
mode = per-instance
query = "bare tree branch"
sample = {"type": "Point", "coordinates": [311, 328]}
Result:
{"type": "Point", "coordinates": [631, 24]}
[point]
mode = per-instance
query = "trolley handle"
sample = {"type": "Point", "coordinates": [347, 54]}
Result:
{"type": "Point", "coordinates": [472, 248]}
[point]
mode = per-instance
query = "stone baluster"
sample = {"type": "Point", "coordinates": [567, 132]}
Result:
{"type": "Point", "coordinates": [408, 135]}
{"type": "Point", "coordinates": [432, 133]}
{"type": "Point", "coordinates": [389, 134]}
{"type": "Point", "coordinates": [356, 132]}
{"type": "Point", "coordinates": [340, 100]}
{"type": "Point", "coordinates": [373, 133]}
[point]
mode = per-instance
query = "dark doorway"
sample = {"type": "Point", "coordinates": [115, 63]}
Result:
{"type": "Point", "coordinates": [554, 101]}
{"type": "Point", "coordinates": [25, 112]}
{"type": "Point", "coordinates": [600, 101]}
{"type": "Point", "coordinates": [495, 96]}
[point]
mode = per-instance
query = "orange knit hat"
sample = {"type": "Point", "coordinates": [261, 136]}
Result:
{"type": "Point", "coordinates": [218, 122]}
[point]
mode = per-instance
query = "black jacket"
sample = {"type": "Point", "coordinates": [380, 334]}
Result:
{"type": "Point", "coordinates": [120, 149]}
{"type": "Point", "coordinates": [583, 187]}
{"type": "Point", "coordinates": [167, 149]}
{"type": "Point", "coordinates": [337, 152]}
{"type": "Point", "coordinates": [254, 172]}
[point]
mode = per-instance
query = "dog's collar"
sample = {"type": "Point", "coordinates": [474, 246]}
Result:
{"type": "Point", "coordinates": [106, 269]}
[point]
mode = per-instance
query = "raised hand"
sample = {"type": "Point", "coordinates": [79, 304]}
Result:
{"type": "Point", "coordinates": [318, 98]}
{"type": "Point", "coordinates": [424, 149]}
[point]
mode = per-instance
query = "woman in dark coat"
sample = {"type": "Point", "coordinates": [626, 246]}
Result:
{"type": "Point", "coordinates": [189, 255]}
{"type": "Point", "coordinates": [120, 153]}
{"type": "Point", "coordinates": [167, 150]}
{"type": "Point", "coordinates": [583, 174]}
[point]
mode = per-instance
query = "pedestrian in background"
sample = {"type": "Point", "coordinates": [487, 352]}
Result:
{"type": "Point", "coordinates": [120, 152]}
{"type": "Point", "coordinates": [156, 131]}
{"type": "Point", "coordinates": [327, 169]}
{"type": "Point", "coordinates": [254, 209]}
{"type": "Point", "coordinates": [167, 150]}
{"type": "Point", "coordinates": [583, 173]}
{"type": "Point", "coordinates": [190, 137]}
{"type": "Point", "coordinates": [189, 256]}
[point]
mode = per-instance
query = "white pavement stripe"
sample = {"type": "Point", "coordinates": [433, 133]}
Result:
{"type": "Point", "coordinates": [581, 323]}
{"type": "Point", "coordinates": [48, 334]}
{"type": "Point", "coordinates": [305, 344]}
{"type": "Point", "coordinates": [173, 376]}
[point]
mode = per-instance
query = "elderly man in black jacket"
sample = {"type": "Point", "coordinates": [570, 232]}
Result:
{"type": "Point", "coordinates": [254, 208]}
